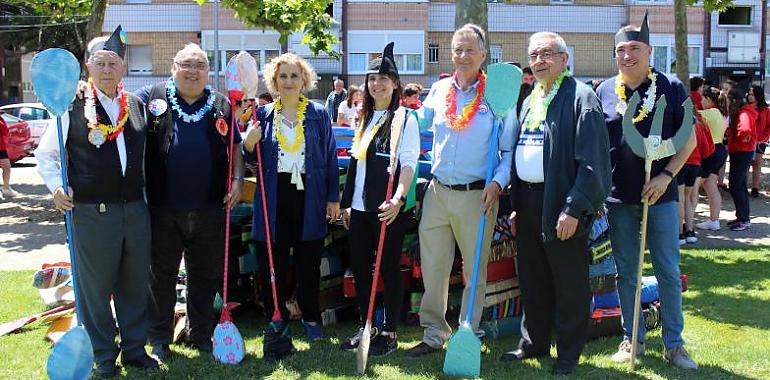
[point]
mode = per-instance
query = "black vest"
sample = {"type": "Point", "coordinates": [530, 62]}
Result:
{"type": "Point", "coordinates": [160, 136]}
{"type": "Point", "coordinates": [377, 176]}
{"type": "Point", "coordinates": [95, 174]}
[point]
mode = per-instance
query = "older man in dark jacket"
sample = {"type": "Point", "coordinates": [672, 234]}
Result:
{"type": "Point", "coordinates": [559, 180]}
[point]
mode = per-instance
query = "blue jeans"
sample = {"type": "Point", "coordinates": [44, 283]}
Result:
{"type": "Point", "coordinates": [663, 243]}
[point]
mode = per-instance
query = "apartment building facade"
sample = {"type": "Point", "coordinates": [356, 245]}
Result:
{"type": "Point", "coordinates": [720, 46]}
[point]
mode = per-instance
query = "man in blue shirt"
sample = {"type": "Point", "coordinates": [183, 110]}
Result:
{"type": "Point", "coordinates": [632, 50]}
{"type": "Point", "coordinates": [186, 165]}
{"type": "Point", "coordinates": [462, 126]}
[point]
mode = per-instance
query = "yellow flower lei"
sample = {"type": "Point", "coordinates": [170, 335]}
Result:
{"type": "Point", "coordinates": [299, 139]}
{"type": "Point", "coordinates": [647, 103]}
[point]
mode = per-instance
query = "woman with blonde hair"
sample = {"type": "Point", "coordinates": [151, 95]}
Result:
{"type": "Point", "coordinates": [301, 180]}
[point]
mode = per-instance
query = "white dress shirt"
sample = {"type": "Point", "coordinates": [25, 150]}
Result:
{"type": "Point", "coordinates": [47, 152]}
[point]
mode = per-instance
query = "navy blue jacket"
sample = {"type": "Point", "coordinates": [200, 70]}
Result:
{"type": "Point", "coordinates": [322, 175]}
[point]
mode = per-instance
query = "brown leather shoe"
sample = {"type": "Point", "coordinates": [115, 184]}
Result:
{"type": "Point", "coordinates": [420, 350]}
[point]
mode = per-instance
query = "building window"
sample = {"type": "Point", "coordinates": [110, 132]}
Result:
{"type": "Point", "coordinates": [409, 54]}
{"type": "Point", "coordinates": [432, 53]}
{"type": "Point", "coordinates": [558, 2]}
{"type": "Point", "coordinates": [137, 1]}
{"type": "Point", "coordinates": [357, 62]}
{"type": "Point", "coordinates": [664, 57]}
{"type": "Point", "coordinates": [495, 53]}
{"type": "Point", "coordinates": [736, 16]}
{"type": "Point", "coordinates": [139, 60]}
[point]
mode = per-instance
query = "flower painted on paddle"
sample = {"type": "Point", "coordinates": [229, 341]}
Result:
{"type": "Point", "coordinates": [231, 357]}
{"type": "Point", "coordinates": [227, 341]}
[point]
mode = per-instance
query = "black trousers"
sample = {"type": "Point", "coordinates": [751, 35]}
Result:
{"type": "Point", "coordinates": [553, 277]}
{"type": "Point", "coordinates": [199, 235]}
{"type": "Point", "coordinates": [739, 170]}
{"type": "Point", "coordinates": [112, 257]}
{"type": "Point", "coordinates": [305, 255]}
{"type": "Point", "coordinates": [363, 238]}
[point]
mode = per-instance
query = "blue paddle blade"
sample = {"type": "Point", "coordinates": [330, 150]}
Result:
{"type": "Point", "coordinates": [463, 354]}
{"type": "Point", "coordinates": [502, 88]}
{"type": "Point", "coordinates": [55, 74]}
{"type": "Point", "coordinates": [231, 75]}
{"type": "Point", "coordinates": [228, 343]}
{"type": "Point", "coordinates": [72, 357]}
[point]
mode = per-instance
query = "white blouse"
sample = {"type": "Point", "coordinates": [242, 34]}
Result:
{"type": "Point", "coordinates": [289, 162]}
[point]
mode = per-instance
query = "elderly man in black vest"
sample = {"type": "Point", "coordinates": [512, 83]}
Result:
{"type": "Point", "coordinates": [187, 163]}
{"type": "Point", "coordinates": [104, 136]}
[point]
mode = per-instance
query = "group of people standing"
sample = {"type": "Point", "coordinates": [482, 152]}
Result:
{"type": "Point", "coordinates": [156, 163]}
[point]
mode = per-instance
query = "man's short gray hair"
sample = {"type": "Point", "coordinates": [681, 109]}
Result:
{"type": "Point", "coordinates": [472, 30]}
{"type": "Point", "coordinates": [550, 36]}
{"type": "Point", "coordinates": [192, 47]}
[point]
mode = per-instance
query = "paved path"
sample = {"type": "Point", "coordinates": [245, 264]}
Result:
{"type": "Point", "coordinates": [32, 233]}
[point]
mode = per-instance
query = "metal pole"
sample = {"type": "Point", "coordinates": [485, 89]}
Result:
{"type": "Point", "coordinates": [763, 43]}
{"type": "Point", "coordinates": [216, 45]}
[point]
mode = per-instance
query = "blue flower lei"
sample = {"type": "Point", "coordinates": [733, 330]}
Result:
{"type": "Point", "coordinates": [196, 117]}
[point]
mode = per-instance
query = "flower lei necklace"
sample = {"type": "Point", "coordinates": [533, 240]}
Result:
{"type": "Point", "coordinates": [647, 103]}
{"type": "Point", "coordinates": [104, 132]}
{"type": "Point", "coordinates": [461, 122]}
{"type": "Point", "coordinates": [187, 118]}
{"type": "Point", "coordinates": [362, 140]}
{"type": "Point", "coordinates": [299, 137]}
{"type": "Point", "coordinates": [538, 107]}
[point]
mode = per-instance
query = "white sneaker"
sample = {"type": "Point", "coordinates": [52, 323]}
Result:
{"type": "Point", "coordinates": [10, 193]}
{"type": "Point", "coordinates": [712, 225]}
{"type": "Point", "coordinates": [624, 352]}
{"type": "Point", "coordinates": [679, 357]}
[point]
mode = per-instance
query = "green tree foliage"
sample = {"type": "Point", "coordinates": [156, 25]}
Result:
{"type": "Point", "coordinates": [680, 31]}
{"type": "Point", "coordinates": [287, 16]}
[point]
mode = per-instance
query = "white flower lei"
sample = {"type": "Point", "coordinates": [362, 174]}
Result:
{"type": "Point", "coordinates": [649, 96]}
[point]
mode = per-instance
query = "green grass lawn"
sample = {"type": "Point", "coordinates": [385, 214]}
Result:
{"type": "Point", "coordinates": [727, 329]}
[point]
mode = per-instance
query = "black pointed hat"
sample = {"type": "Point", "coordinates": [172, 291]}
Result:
{"type": "Point", "coordinates": [643, 35]}
{"type": "Point", "coordinates": [384, 65]}
{"type": "Point", "coordinates": [117, 42]}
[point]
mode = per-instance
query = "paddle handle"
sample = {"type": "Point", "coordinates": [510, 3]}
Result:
{"type": "Point", "coordinates": [482, 222]}
{"type": "Point", "coordinates": [225, 312]}
{"type": "Point", "coordinates": [638, 294]}
{"type": "Point", "coordinates": [268, 237]}
{"type": "Point", "coordinates": [68, 213]}
{"type": "Point", "coordinates": [378, 256]}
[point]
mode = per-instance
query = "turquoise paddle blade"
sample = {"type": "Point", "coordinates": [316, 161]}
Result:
{"type": "Point", "coordinates": [502, 88]}
{"type": "Point", "coordinates": [463, 354]}
{"type": "Point", "coordinates": [55, 74]}
{"type": "Point", "coordinates": [228, 347]}
{"type": "Point", "coordinates": [72, 357]}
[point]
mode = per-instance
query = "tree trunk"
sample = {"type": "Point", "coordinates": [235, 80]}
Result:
{"type": "Point", "coordinates": [96, 21]}
{"type": "Point", "coordinates": [680, 35]}
{"type": "Point", "coordinates": [472, 11]}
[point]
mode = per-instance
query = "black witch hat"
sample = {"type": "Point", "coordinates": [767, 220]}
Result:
{"type": "Point", "coordinates": [117, 42]}
{"type": "Point", "coordinates": [643, 35]}
{"type": "Point", "coordinates": [384, 65]}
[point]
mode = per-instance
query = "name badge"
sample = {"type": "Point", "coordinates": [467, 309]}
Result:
{"type": "Point", "coordinates": [483, 108]}
{"type": "Point", "coordinates": [157, 107]}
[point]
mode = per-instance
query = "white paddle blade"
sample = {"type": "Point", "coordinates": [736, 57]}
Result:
{"type": "Point", "coordinates": [247, 74]}
{"type": "Point", "coordinates": [362, 353]}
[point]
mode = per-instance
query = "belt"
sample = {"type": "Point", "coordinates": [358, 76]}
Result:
{"type": "Point", "coordinates": [478, 185]}
{"type": "Point", "coordinates": [532, 185]}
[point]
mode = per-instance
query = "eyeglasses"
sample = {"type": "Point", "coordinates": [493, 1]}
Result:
{"type": "Point", "coordinates": [200, 66]}
{"type": "Point", "coordinates": [545, 55]}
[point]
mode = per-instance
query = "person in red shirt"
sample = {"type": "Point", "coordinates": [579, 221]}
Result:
{"type": "Point", "coordinates": [689, 179]}
{"type": "Point", "coordinates": [696, 92]}
{"type": "Point", "coordinates": [756, 97]}
{"type": "Point", "coordinates": [714, 117]}
{"type": "Point", "coordinates": [5, 162]}
{"type": "Point", "coordinates": [741, 144]}
{"type": "Point", "coordinates": [411, 97]}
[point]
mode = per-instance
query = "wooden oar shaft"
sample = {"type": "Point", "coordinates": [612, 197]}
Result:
{"type": "Point", "coordinates": [638, 293]}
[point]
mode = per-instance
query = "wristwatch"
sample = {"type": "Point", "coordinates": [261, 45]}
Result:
{"type": "Point", "coordinates": [668, 173]}
{"type": "Point", "coordinates": [401, 198]}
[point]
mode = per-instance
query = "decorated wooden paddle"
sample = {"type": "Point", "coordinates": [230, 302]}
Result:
{"type": "Point", "coordinates": [651, 148]}
{"type": "Point", "coordinates": [228, 347]}
{"type": "Point", "coordinates": [463, 354]}
{"type": "Point", "coordinates": [16, 325]}
{"type": "Point", "coordinates": [55, 74]}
